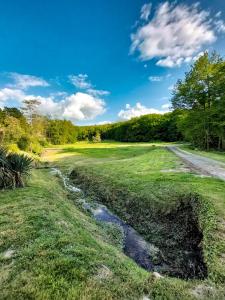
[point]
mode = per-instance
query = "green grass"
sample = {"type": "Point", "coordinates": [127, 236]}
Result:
{"type": "Point", "coordinates": [140, 168]}
{"type": "Point", "coordinates": [139, 181]}
{"type": "Point", "coordinates": [217, 155]}
{"type": "Point", "coordinates": [60, 252]}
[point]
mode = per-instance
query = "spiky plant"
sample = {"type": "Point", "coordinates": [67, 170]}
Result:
{"type": "Point", "coordinates": [13, 167]}
{"type": "Point", "coordinates": [7, 178]}
{"type": "Point", "coordinates": [3, 157]}
{"type": "Point", "coordinates": [20, 165]}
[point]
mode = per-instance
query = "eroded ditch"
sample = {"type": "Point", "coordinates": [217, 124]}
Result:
{"type": "Point", "coordinates": [173, 245]}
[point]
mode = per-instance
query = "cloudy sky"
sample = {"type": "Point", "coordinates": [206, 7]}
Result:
{"type": "Point", "coordinates": [99, 61]}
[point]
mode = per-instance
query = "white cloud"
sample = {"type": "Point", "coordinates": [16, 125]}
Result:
{"type": "Point", "coordinates": [166, 106]}
{"type": "Point", "coordinates": [220, 26]}
{"type": "Point", "coordinates": [80, 81]}
{"type": "Point", "coordinates": [197, 56]}
{"type": "Point", "coordinates": [76, 107]}
{"type": "Point", "coordinates": [145, 11]}
{"type": "Point", "coordinates": [137, 111]}
{"type": "Point", "coordinates": [218, 15]}
{"type": "Point", "coordinates": [104, 123]}
{"type": "Point", "coordinates": [25, 81]}
{"type": "Point", "coordinates": [159, 78]}
{"type": "Point", "coordinates": [7, 94]}
{"type": "Point", "coordinates": [155, 78]}
{"type": "Point", "coordinates": [175, 34]}
{"type": "Point", "coordinates": [171, 87]}
{"type": "Point", "coordinates": [82, 106]}
{"type": "Point", "coordinates": [97, 92]}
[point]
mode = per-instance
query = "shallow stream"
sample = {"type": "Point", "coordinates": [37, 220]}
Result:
{"type": "Point", "coordinates": [134, 245]}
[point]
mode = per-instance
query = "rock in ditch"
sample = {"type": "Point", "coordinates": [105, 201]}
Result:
{"type": "Point", "coordinates": [156, 275]}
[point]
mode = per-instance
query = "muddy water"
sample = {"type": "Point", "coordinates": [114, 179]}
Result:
{"type": "Point", "coordinates": [134, 245]}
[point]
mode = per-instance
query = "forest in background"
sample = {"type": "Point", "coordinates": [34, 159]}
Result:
{"type": "Point", "coordinates": [198, 116]}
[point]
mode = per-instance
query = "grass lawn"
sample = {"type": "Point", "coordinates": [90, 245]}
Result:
{"type": "Point", "coordinates": [52, 249]}
{"type": "Point", "coordinates": [217, 155]}
{"type": "Point", "coordinates": [139, 181]}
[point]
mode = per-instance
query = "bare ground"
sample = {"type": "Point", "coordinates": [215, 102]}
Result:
{"type": "Point", "coordinates": [203, 165]}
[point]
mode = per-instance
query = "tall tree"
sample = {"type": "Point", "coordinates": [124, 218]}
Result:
{"type": "Point", "coordinates": [30, 109]}
{"type": "Point", "coordinates": [201, 93]}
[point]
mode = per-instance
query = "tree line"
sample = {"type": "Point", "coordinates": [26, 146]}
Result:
{"type": "Point", "coordinates": [29, 131]}
{"type": "Point", "coordinates": [198, 116]}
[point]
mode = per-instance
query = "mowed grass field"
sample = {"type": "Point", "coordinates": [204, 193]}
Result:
{"type": "Point", "coordinates": [146, 178]}
{"type": "Point", "coordinates": [52, 249]}
{"type": "Point", "coordinates": [140, 168]}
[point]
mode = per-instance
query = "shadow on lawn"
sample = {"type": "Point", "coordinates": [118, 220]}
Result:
{"type": "Point", "coordinates": [120, 153]}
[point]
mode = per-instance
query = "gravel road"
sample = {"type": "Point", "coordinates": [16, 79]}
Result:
{"type": "Point", "coordinates": [204, 165]}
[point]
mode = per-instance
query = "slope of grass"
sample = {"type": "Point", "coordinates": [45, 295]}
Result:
{"type": "Point", "coordinates": [141, 181]}
{"type": "Point", "coordinates": [51, 250]}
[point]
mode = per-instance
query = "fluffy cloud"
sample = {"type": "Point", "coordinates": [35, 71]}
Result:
{"type": "Point", "coordinates": [104, 123]}
{"type": "Point", "coordinates": [79, 106]}
{"type": "Point", "coordinates": [75, 107]}
{"type": "Point", "coordinates": [7, 94]}
{"type": "Point", "coordinates": [220, 26]}
{"type": "Point", "coordinates": [22, 81]}
{"type": "Point", "coordinates": [137, 111]}
{"type": "Point", "coordinates": [80, 81]}
{"type": "Point", "coordinates": [175, 34]}
{"type": "Point", "coordinates": [145, 11]}
{"type": "Point", "coordinates": [166, 106]}
{"type": "Point", "coordinates": [97, 93]}
{"type": "Point", "coordinates": [82, 106]}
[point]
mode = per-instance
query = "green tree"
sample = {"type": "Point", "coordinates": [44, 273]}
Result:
{"type": "Point", "coordinates": [201, 94]}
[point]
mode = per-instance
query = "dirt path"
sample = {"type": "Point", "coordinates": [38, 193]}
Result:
{"type": "Point", "coordinates": [204, 165]}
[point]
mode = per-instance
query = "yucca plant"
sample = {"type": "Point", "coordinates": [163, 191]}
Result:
{"type": "Point", "coordinates": [20, 165]}
{"type": "Point", "coordinates": [6, 175]}
{"type": "Point", "coordinates": [13, 167]}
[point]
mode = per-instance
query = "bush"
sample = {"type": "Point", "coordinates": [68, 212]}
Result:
{"type": "Point", "coordinates": [13, 148]}
{"type": "Point", "coordinates": [24, 143]}
{"type": "Point", "coordinates": [35, 148]}
{"type": "Point", "coordinates": [96, 138]}
{"type": "Point", "coordinates": [13, 167]}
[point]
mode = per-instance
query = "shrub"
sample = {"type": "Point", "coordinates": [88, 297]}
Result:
{"type": "Point", "coordinates": [13, 167]}
{"type": "Point", "coordinates": [13, 148]}
{"type": "Point", "coordinates": [96, 138]}
{"type": "Point", "coordinates": [24, 143]}
{"type": "Point", "coordinates": [36, 148]}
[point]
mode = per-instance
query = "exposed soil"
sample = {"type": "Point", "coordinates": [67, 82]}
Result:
{"type": "Point", "coordinates": [176, 233]}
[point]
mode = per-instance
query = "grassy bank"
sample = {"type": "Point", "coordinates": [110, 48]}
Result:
{"type": "Point", "coordinates": [51, 250]}
{"type": "Point", "coordinates": [151, 189]}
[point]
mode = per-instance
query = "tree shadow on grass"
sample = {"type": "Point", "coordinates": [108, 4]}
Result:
{"type": "Point", "coordinates": [119, 153]}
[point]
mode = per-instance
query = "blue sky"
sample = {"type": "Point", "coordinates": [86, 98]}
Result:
{"type": "Point", "coordinates": [96, 61]}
